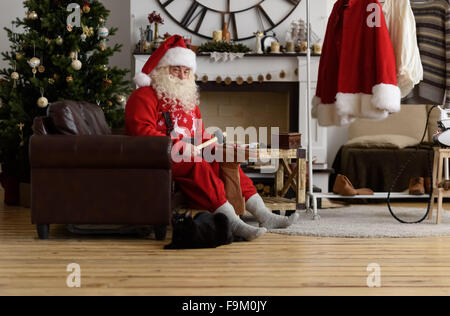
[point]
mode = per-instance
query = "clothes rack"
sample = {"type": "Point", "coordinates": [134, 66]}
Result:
{"type": "Point", "coordinates": [311, 196]}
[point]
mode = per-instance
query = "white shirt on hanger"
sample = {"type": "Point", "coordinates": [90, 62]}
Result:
{"type": "Point", "coordinates": [402, 29]}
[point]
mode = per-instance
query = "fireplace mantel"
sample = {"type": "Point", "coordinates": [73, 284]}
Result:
{"type": "Point", "coordinates": [293, 66]}
{"type": "Point", "coordinates": [288, 72]}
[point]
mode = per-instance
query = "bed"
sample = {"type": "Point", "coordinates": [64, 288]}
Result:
{"type": "Point", "coordinates": [378, 150]}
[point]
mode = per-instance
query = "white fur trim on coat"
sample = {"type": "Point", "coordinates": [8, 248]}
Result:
{"type": "Point", "coordinates": [142, 80]}
{"type": "Point", "coordinates": [348, 107]}
{"type": "Point", "coordinates": [179, 56]}
{"type": "Point", "coordinates": [387, 97]}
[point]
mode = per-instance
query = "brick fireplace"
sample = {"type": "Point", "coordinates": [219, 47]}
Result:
{"type": "Point", "coordinates": [250, 105]}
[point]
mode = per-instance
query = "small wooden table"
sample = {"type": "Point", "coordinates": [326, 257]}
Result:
{"type": "Point", "coordinates": [296, 179]}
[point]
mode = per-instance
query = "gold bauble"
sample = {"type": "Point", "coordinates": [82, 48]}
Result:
{"type": "Point", "coordinates": [15, 75]}
{"type": "Point", "coordinates": [86, 8]}
{"type": "Point", "coordinates": [59, 41]}
{"type": "Point", "coordinates": [102, 46]}
{"type": "Point", "coordinates": [106, 83]}
{"type": "Point", "coordinates": [19, 56]}
{"type": "Point", "coordinates": [69, 79]}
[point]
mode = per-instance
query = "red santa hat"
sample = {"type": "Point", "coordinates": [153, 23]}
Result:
{"type": "Point", "coordinates": [173, 52]}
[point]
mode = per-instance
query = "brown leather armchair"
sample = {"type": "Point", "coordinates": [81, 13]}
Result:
{"type": "Point", "coordinates": [82, 174]}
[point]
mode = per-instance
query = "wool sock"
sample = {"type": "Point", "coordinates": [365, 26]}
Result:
{"type": "Point", "coordinates": [238, 227]}
{"type": "Point", "coordinates": [255, 205]}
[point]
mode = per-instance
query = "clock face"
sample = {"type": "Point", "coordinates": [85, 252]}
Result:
{"type": "Point", "coordinates": [244, 17]}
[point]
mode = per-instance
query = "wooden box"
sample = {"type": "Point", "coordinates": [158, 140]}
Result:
{"type": "Point", "coordinates": [288, 140]}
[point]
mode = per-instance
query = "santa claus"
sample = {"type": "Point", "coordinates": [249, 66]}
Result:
{"type": "Point", "coordinates": [168, 95]}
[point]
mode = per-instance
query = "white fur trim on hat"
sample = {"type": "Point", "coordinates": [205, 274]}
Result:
{"type": "Point", "coordinates": [179, 56]}
{"type": "Point", "coordinates": [142, 80]}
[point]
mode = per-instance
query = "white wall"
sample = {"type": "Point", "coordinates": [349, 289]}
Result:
{"type": "Point", "coordinates": [120, 18]}
{"type": "Point", "coordinates": [9, 10]}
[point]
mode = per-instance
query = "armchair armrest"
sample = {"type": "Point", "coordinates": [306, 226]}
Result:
{"type": "Point", "coordinates": [102, 151]}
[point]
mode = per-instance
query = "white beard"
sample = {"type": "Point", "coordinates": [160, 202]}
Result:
{"type": "Point", "coordinates": [174, 91]}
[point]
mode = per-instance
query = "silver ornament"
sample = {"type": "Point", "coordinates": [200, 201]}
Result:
{"type": "Point", "coordinates": [121, 99]}
{"type": "Point", "coordinates": [34, 62]}
{"type": "Point", "coordinates": [42, 102]}
{"type": "Point", "coordinates": [32, 15]}
{"type": "Point", "coordinates": [76, 64]}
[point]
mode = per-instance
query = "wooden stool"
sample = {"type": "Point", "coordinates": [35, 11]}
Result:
{"type": "Point", "coordinates": [438, 168]}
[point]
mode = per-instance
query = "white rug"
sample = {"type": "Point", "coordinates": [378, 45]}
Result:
{"type": "Point", "coordinates": [363, 221]}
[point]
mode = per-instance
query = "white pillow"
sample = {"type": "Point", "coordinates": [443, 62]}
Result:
{"type": "Point", "coordinates": [383, 141]}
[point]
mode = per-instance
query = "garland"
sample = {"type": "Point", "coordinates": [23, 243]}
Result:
{"type": "Point", "coordinates": [223, 47]}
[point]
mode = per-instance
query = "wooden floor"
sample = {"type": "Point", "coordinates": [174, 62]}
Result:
{"type": "Point", "coordinates": [272, 265]}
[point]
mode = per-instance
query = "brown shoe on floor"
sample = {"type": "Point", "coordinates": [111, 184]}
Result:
{"type": "Point", "coordinates": [343, 186]}
{"type": "Point", "coordinates": [444, 185]}
{"type": "Point", "coordinates": [417, 186]}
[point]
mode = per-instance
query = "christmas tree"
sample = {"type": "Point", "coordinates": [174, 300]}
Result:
{"type": "Point", "coordinates": [60, 54]}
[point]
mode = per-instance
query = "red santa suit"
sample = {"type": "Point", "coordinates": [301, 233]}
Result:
{"type": "Point", "coordinates": [199, 181]}
{"type": "Point", "coordinates": [357, 72]}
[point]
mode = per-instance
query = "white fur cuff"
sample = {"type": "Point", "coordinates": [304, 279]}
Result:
{"type": "Point", "coordinates": [386, 97]}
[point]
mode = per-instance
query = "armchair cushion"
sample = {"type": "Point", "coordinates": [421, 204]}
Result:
{"type": "Point", "coordinates": [78, 118]}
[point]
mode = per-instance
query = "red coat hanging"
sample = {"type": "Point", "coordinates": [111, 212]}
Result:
{"type": "Point", "coordinates": [357, 72]}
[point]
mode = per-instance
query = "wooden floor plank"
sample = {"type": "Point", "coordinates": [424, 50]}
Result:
{"type": "Point", "coordinates": [271, 265]}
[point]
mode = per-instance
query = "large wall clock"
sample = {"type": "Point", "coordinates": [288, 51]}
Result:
{"type": "Point", "coordinates": [244, 17]}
